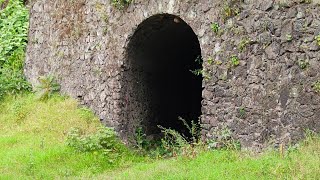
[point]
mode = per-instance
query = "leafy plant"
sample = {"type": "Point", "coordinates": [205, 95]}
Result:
{"type": "Point", "coordinates": [120, 4]}
{"type": "Point", "coordinates": [174, 143]}
{"type": "Point", "coordinates": [13, 40]}
{"type": "Point", "coordinates": [215, 27]}
{"type": "Point", "coordinates": [222, 139]}
{"type": "Point", "coordinates": [140, 138]}
{"type": "Point", "coordinates": [103, 141]}
{"type": "Point", "coordinates": [47, 87]}
{"type": "Point", "coordinates": [234, 60]}
{"type": "Point", "coordinates": [243, 44]}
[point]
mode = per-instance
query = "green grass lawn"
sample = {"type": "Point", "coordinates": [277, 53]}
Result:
{"type": "Point", "coordinates": [33, 146]}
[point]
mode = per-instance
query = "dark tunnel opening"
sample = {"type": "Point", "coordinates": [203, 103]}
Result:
{"type": "Point", "coordinates": [162, 53]}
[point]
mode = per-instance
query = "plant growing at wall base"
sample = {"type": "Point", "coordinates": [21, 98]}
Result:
{"type": "Point", "coordinates": [104, 141]}
{"type": "Point", "coordinates": [174, 143]}
{"type": "Point", "coordinates": [222, 139]}
{"type": "Point", "coordinates": [47, 86]}
{"type": "Point", "coordinates": [141, 141]}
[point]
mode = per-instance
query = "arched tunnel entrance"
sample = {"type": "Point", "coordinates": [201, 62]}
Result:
{"type": "Point", "coordinates": [160, 86]}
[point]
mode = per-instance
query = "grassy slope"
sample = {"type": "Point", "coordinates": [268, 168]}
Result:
{"type": "Point", "coordinates": [32, 141]}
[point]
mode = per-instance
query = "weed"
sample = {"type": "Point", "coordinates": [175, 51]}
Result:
{"type": "Point", "coordinates": [222, 139]}
{"type": "Point", "coordinates": [47, 87]}
{"type": "Point", "coordinates": [317, 38]}
{"type": "Point", "coordinates": [174, 143]}
{"type": "Point", "coordinates": [120, 4]}
{"type": "Point", "coordinates": [103, 141]}
{"type": "Point", "coordinates": [234, 60]}
{"type": "Point", "coordinates": [243, 44]}
{"type": "Point", "coordinates": [303, 64]}
{"type": "Point", "coordinates": [242, 112]}
{"type": "Point", "coordinates": [141, 140]}
{"type": "Point", "coordinates": [231, 8]}
{"type": "Point", "coordinates": [316, 86]}
{"type": "Point", "coordinates": [210, 61]}
{"type": "Point", "coordinates": [289, 37]}
{"type": "Point", "coordinates": [215, 27]}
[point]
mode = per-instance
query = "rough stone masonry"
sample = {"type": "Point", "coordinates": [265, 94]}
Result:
{"type": "Point", "coordinates": [260, 62]}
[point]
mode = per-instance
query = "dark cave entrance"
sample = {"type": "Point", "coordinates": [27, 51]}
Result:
{"type": "Point", "coordinates": [160, 85]}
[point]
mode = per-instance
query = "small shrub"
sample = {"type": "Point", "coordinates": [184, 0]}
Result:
{"type": "Point", "coordinates": [140, 138]}
{"type": "Point", "coordinates": [222, 139]}
{"type": "Point", "coordinates": [104, 141]}
{"type": "Point", "coordinates": [47, 87]}
{"type": "Point", "coordinates": [174, 143]}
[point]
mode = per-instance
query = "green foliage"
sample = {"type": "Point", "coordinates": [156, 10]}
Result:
{"type": "Point", "coordinates": [316, 86]}
{"type": "Point", "coordinates": [234, 60]}
{"type": "Point", "coordinates": [13, 40]}
{"type": "Point", "coordinates": [47, 87]}
{"type": "Point", "coordinates": [289, 37]}
{"type": "Point", "coordinates": [103, 141]}
{"type": "Point", "coordinates": [242, 112]}
{"type": "Point", "coordinates": [215, 27]}
{"type": "Point", "coordinates": [317, 38]}
{"type": "Point", "coordinates": [222, 139]}
{"type": "Point", "coordinates": [231, 8]}
{"type": "Point", "coordinates": [303, 64]}
{"type": "Point", "coordinates": [121, 4]}
{"type": "Point", "coordinates": [174, 143]}
{"type": "Point", "coordinates": [243, 44]}
{"type": "Point", "coordinates": [141, 141]}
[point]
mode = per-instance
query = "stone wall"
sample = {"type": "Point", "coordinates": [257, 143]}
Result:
{"type": "Point", "coordinates": [267, 99]}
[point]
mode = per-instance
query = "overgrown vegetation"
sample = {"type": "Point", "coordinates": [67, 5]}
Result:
{"type": "Point", "coordinates": [13, 40]}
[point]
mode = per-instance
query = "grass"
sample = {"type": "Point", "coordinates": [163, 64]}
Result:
{"type": "Point", "coordinates": [32, 140]}
{"type": "Point", "coordinates": [298, 164]}
{"type": "Point", "coordinates": [33, 146]}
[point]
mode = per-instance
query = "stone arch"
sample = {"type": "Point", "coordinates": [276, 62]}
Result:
{"type": "Point", "coordinates": [158, 85]}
